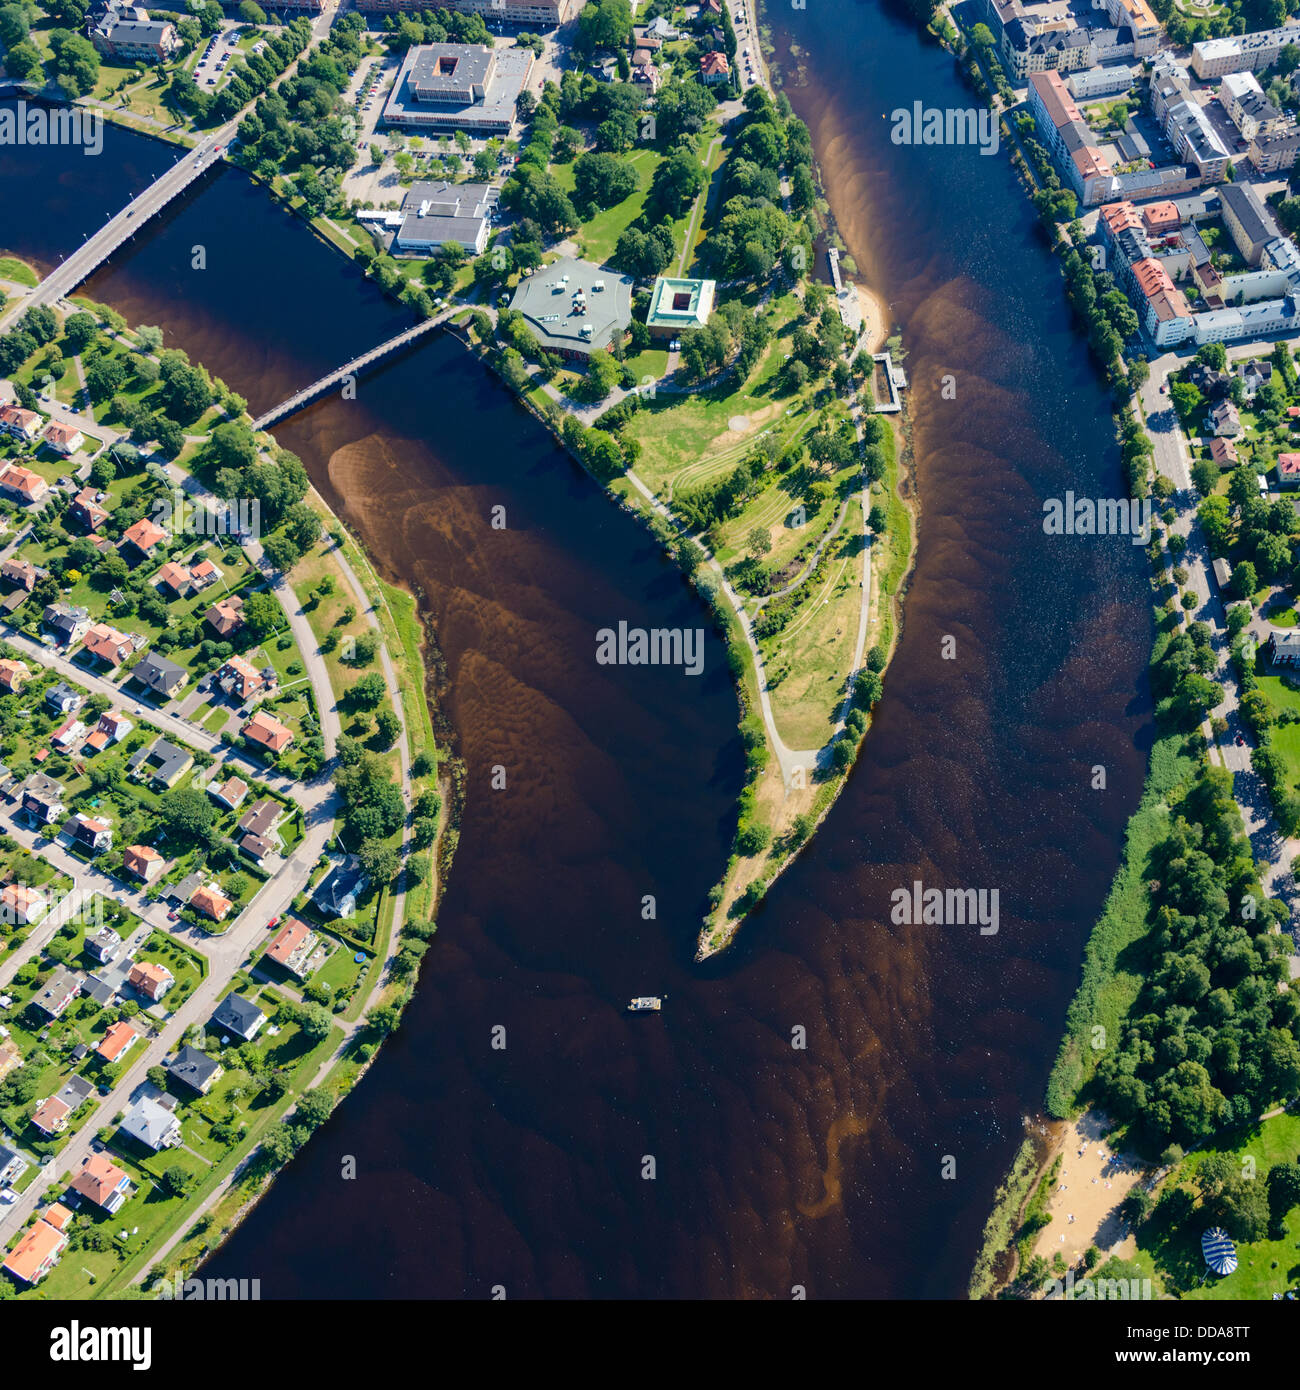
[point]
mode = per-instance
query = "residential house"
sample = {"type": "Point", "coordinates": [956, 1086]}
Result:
{"type": "Point", "coordinates": [13, 675]}
{"type": "Point", "coordinates": [86, 510]}
{"type": "Point", "coordinates": [63, 439]}
{"type": "Point", "coordinates": [89, 834]}
{"type": "Point", "coordinates": [112, 728]}
{"type": "Point", "coordinates": [1209, 381]}
{"type": "Point", "coordinates": [238, 1016]}
{"type": "Point", "coordinates": [42, 799]}
{"type": "Point", "coordinates": [68, 735]}
{"type": "Point", "coordinates": [1225, 420]}
{"type": "Point", "coordinates": [51, 1116]}
{"type": "Point", "coordinates": [151, 979]}
{"type": "Point", "coordinates": [1253, 375]}
{"type": "Point", "coordinates": [159, 675]}
{"type": "Point", "coordinates": [268, 733]}
{"type": "Point", "coordinates": [338, 891]}
{"type": "Point", "coordinates": [144, 536]}
{"type": "Point", "coordinates": [1288, 470]}
{"type": "Point", "coordinates": [100, 1181]}
{"type": "Point", "coordinates": [225, 617]}
{"type": "Point", "coordinates": [163, 762]}
{"type": "Point", "coordinates": [212, 902]}
{"type": "Point", "coordinates": [152, 1124]}
{"type": "Point", "coordinates": [259, 849]}
{"type": "Point", "coordinates": [293, 947]}
{"type": "Point", "coordinates": [175, 577]}
{"type": "Point", "coordinates": [21, 424]}
{"type": "Point", "coordinates": [714, 69]}
{"type": "Point", "coordinates": [204, 574]}
{"type": "Point", "coordinates": [69, 624]}
{"type": "Point", "coordinates": [21, 903]}
{"type": "Point", "coordinates": [19, 573]}
{"type": "Point", "coordinates": [12, 1165]}
{"type": "Point", "coordinates": [195, 1069]}
{"type": "Point", "coordinates": [1224, 453]}
{"type": "Point", "coordinates": [143, 862]}
{"type": "Point", "coordinates": [1284, 646]}
{"type": "Point", "coordinates": [36, 1253]}
{"type": "Point", "coordinates": [104, 945]}
{"type": "Point", "coordinates": [108, 645]}
{"type": "Point", "coordinates": [23, 483]}
{"type": "Point", "coordinates": [242, 680]}
{"type": "Point", "coordinates": [117, 1042]}
{"type": "Point", "coordinates": [57, 993]}
{"type": "Point", "coordinates": [229, 793]}
{"type": "Point", "coordinates": [262, 817]}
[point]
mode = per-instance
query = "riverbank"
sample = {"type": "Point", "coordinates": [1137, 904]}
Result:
{"type": "Point", "coordinates": [337, 618]}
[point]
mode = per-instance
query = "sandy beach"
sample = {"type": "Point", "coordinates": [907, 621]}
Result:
{"type": "Point", "coordinates": [875, 318]}
{"type": "Point", "coordinates": [1093, 1181]}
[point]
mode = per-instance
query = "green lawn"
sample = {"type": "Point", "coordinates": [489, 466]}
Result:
{"type": "Point", "coordinates": [11, 268]}
{"type": "Point", "coordinates": [600, 235]}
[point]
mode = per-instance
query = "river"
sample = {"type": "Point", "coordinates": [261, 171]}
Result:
{"type": "Point", "coordinates": [863, 1163]}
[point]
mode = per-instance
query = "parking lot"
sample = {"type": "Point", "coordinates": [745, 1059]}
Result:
{"type": "Point", "coordinates": [215, 57]}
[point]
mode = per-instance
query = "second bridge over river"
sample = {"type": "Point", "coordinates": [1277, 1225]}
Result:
{"type": "Point", "coordinates": [349, 369]}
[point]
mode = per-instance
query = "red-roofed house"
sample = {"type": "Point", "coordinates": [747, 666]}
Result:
{"type": "Point", "coordinates": [1288, 470]}
{"type": "Point", "coordinates": [143, 862]}
{"type": "Point", "coordinates": [63, 439]}
{"type": "Point", "coordinates": [714, 68]}
{"type": "Point", "coordinates": [101, 1181]}
{"type": "Point", "coordinates": [108, 644]}
{"type": "Point", "coordinates": [36, 1253]}
{"type": "Point", "coordinates": [293, 947]}
{"type": "Point", "coordinates": [22, 424]}
{"type": "Point", "coordinates": [145, 536]}
{"type": "Point", "coordinates": [267, 732]}
{"type": "Point", "coordinates": [1224, 453]}
{"type": "Point", "coordinates": [1161, 218]}
{"type": "Point", "coordinates": [175, 577]}
{"type": "Point", "coordinates": [22, 482]}
{"type": "Point", "coordinates": [212, 902]}
{"type": "Point", "coordinates": [13, 674]}
{"type": "Point", "coordinates": [117, 1042]}
{"type": "Point", "coordinates": [227, 617]}
{"type": "Point", "coordinates": [86, 510]}
{"type": "Point", "coordinates": [151, 980]}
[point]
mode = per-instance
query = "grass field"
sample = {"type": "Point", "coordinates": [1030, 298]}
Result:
{"type": "Point", "coordinates": [1264, 1267]}
{"type": "Point", "coordinates": [11, 268]}
{"type": "Point", "coordinates": [600, 235]}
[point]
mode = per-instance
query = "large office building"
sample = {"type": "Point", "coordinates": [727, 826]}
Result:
{"type": "Point", "coordinates": [458, 86]}
{"type": "Point", "coordinates": [127, 35]}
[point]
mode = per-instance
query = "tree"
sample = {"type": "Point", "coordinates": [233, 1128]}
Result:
{"type": "Point", "coordinates": [1205, 474]}
{"type": "Point", "coordinates": [186, 812]}
{"type": "Point", "coordinates": [604, 24]}
{"type": "Point", "coordinates": [251, 12]}
{"type": "Point", "coordinates": [368, 693]}
{"type": "Point", "coordinates": [177, 1180]}
{"type": "Point", "coordinates": [14, 27]}
{"type": "Point", "coordinates": [1244, 580]}
{"type": "Point", "coordinates": [759, 541]}
{"type": "Point", "coordinates": [379, 860]}
{"type": "Point", "coordinates": [80, 329]}
{"type": "Point", "coordinates": [262, 614]}
{"type": "Point", "coordinates": [1283, 1188]}
{"type": "Point", "coordinates": [388, 726]}
{"type": "Point", "coordinates": [282, 551]}
{"type": "Point", "coordinates": [601, 180]}
{"type": "Point", "coordinates": [23, 63]}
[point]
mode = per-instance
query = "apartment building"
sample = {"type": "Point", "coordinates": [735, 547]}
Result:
{"type": "Point", "coordinates": [1241, 52]}
{"type": "Point", "coordinates": [1067, 136]}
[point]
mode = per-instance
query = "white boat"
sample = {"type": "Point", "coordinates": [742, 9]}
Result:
{"type": "Point", "coordinates": [645, 1003]}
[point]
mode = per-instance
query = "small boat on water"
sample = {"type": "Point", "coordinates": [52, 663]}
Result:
{"type": "Point", "coordinates": [645, 1003]}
